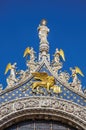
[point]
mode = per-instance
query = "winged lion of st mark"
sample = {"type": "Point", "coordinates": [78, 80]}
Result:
{"type": "Point", "coordinates": [45, 81]}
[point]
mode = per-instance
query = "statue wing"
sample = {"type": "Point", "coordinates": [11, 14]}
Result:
{"type": "Point", "coordinates": [8, 67]}
{"type": "Point", "coordinates": [78, 71]}
{"type": "Point", "coordinates": [61, 52]}
{"type": "Point", "coordinates": [26, 52]}
{"type": "Point", "coordinates": [40, 75]}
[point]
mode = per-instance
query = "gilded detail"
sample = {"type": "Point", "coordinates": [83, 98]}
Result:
{"type": "Point", "coordinates": [46, 81]}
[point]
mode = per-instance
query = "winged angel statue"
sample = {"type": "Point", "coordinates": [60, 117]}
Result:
{"type": "Point", "coordinates": [30, 63]}
{"type": "Point", "coordinates": [45, 81]}
{"type": "Point", "coordinates": [11, 80]}
{"type": "Point", "coordinates": [58, 54]}
{"type": "Point", "coordinates": [76, 83]}
{"type": "Point", "coordinates": [56, 61]}
{"type": "Point", "coordinates": [29, 51]}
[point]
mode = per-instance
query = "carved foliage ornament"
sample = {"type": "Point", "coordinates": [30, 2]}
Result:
{"type": "Point", "coordinates": [74, 112]}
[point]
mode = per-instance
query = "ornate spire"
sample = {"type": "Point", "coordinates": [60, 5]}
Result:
{"type": "Point", "coordinates": [43, 31]}
{"type": "Point", "coordinates": [34, 66]}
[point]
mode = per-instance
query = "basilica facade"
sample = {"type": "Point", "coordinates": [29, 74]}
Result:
{"type": "Point", "coordinates": [43, 97]}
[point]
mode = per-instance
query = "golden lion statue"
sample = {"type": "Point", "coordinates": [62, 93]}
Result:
{"type": "Point", "coordinates": [46, 81]}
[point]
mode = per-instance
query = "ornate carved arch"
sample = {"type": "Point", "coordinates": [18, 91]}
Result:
{"type": "Point", "coordinates": [42, 108]}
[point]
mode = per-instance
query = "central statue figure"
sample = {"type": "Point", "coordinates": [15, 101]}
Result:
{"type": "Point", "coordinates": [45, 81]}
{"type": "Point", "coordinates": [43, 32]}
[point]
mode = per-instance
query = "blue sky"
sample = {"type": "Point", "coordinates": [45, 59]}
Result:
{"type": "Point", "coordinates": [19, 20]}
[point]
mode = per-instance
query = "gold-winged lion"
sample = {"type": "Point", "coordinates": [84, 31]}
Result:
{"type": "Point", "coordinates": [44, 80]}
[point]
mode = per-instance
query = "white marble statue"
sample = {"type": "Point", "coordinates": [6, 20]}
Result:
{"type": "Point", "coordinates": [57, 56]}
{"type": "Point", "coordinates": [43, 32]}
{"type": "Point", "coordinates": [13, 71]}
{"type": "Point", "coordinates": [11, 80]}
{"type": "Point", "coordinates": [56, 63]}
{"type": "Point", "coordinates": [76, 83]}
{"type": "Point", "coordinates": [31, 64]}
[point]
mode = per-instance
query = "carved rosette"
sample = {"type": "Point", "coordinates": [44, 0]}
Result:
{"type": "Point", "coordinates": [18, 105]}
{"type": "Point", "coordinates": [46, 105]}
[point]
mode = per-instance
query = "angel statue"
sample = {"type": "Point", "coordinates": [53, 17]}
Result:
{"type": "Point", "coordinates": [43, 31]}
{"type": "Point", "coordinates": [30, 63]}
{"type": "Point", "coordinates": [76, 83]}
{"type": "Point", "coordinates": [56, 61]}
{"type": "Point", "coordinates": [44, 81]}
{"type": "Point", "coordinates": [11, 80]}
{"type": "Point", "coordinates": [29, 51]}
